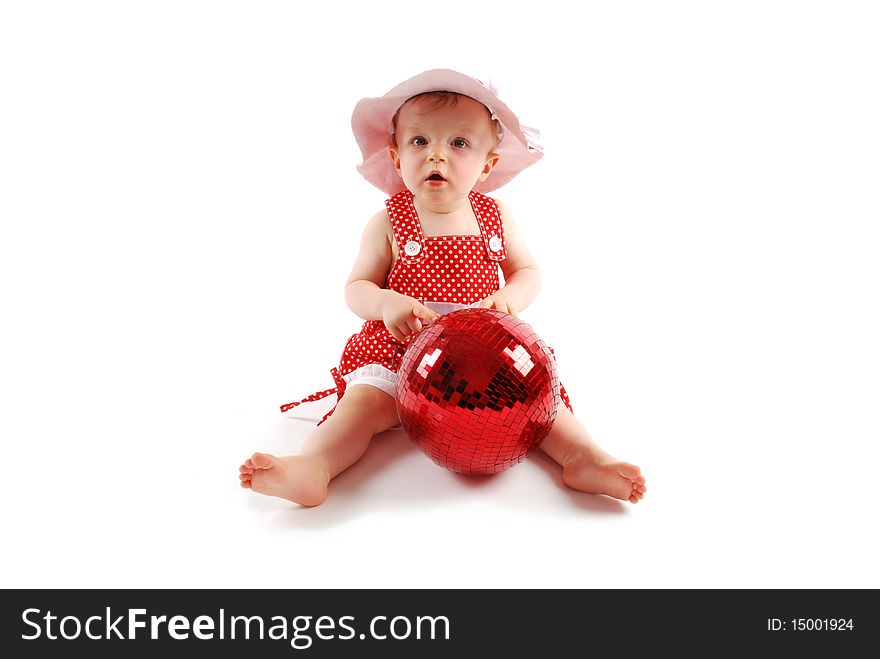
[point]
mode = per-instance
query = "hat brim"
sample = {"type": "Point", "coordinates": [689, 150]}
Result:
{"type": "Point", "coordinates": [371, 124]}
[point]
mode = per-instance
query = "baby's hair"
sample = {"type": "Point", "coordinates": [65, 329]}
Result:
{"type": "Point", "coordinates": [439, 99]}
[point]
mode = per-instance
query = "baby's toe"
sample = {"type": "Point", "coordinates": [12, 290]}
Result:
{"type": "Point", "coordinates": [631, 472]}
{"type": "Point", "coordinates": [261, 460]}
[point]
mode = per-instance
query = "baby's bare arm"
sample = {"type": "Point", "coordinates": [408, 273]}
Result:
{"type": "Point", "coordinates": [364, 292]}
{"type": "Point", "coordinates": [522, 277]}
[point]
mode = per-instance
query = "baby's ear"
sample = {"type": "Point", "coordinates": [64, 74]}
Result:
{"type": "Point", "coordinates": [395, 159]}
{"type": "Point", "coordinates": [492, 161]}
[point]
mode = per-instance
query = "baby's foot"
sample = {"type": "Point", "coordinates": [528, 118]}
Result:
{"type": "Point", "coordinates": [297, 478]}
{"type": "Point", "coordinates": [605, 475]}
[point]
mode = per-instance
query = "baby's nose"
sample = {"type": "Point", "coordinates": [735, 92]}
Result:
{"type": "Point", "coordinates": [437, 155]}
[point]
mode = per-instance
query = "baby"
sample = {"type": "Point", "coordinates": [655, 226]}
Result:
{"type": "Point", "coordinates": [435, 144]}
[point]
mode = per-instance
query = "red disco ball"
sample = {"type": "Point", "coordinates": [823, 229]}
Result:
{"type": "Point", "coordinates": [477, 390]}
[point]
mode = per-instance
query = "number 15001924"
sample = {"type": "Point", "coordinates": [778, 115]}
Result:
{"type": "Point", "coordinates": [810, 624]}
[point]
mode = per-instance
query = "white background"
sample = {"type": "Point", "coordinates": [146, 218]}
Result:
{"type": "Point", "coordinates": [180, 210]}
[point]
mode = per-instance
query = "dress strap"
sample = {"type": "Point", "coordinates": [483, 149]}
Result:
{"type": "Point", "coordinates": [339, 390]}
{"type": "Point", "coordinates": [491, 227]}
{"type": "Point", "coordinates": [406, 226]}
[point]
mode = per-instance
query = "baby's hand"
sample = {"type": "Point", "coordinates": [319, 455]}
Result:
{"type": "Point", "coordinates": [403, 315]}
{"type": "Point", "coordinates": [497, 301]}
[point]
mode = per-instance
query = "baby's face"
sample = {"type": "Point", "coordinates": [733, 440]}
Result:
{"type": "Point", "coordinates": [442, 153]}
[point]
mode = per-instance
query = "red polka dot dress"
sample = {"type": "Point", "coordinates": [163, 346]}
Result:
{"type": "Point", "coordinates": [442, 272]}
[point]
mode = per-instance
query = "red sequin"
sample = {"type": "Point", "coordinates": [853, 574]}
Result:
{"type": "Point", "coordinates": [478, 389]}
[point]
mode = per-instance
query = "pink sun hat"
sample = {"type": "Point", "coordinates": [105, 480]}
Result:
{"type": "Point", "coordinates": [371, 123]}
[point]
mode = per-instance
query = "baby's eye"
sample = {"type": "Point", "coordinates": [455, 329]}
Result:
{"type": "Point", "coordinates": [459, 143]}
{"type": "Point", "coordinates": [418, 141]}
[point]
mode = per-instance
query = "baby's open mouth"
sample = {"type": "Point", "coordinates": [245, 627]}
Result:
{"type": "Point", "coordinates": [436, 177]}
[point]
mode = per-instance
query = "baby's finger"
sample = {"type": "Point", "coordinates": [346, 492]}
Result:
{"type": "Point", "coordinates": [485, 304]}
{"type": "Point", "coordinates": [397, 334]}
{"type": "Point", "coordinates": [413, 324]}
{"type": "Point", "coordinates": [423, 312]}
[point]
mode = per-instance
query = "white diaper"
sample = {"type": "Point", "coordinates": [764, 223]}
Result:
{"type": "Point", "coordinates": [373, 374]}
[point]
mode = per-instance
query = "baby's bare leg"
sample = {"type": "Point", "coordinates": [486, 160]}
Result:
{"type": "Point", "coordinates": [332, 448]}
{"type": "Point", "coordinates": [585, 466]}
